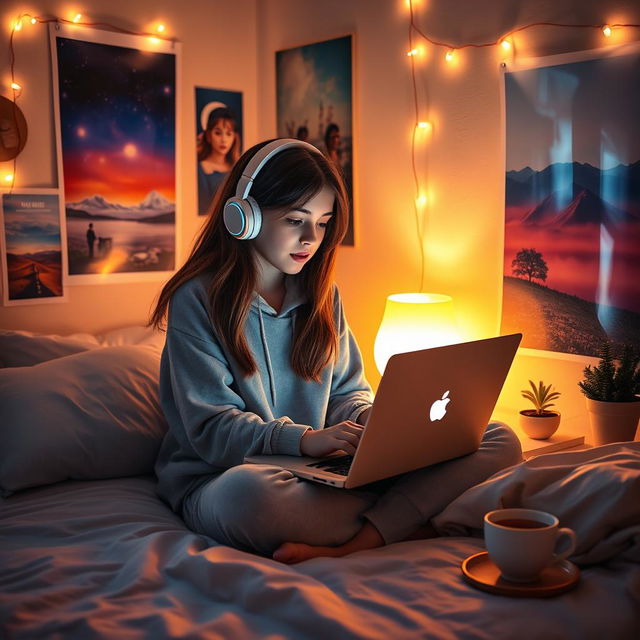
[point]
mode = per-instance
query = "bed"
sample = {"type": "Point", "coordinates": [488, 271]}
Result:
{"type": "Point", "coordinates": [87, 549]}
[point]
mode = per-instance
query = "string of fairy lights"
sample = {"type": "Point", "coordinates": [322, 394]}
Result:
{"type": "Point", "coordinates": [507, 46]}
{"type": "Point", "coordinates": [422, 125]}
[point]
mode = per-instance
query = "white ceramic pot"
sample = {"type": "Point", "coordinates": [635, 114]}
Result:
{"type": "Point", "coordinates": [539, 427]}
{"type": "Point", "coordinates": [612, 421]}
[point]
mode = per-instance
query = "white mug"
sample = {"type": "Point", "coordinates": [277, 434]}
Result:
{"type": "Point", "coordinates": [522, 542]}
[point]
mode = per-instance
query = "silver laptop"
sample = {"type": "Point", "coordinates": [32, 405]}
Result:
{"type": "Point", "coordinates": [432, 405]}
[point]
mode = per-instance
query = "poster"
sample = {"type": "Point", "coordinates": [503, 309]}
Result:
{"type": "Point", "coordinates": [31, 238]}
{"type": "Point", "coordinates": [572, 201]}
{"type": "Point", "coordinates": [115, 106]}
{"type": "Point", "coordinates": [218, 140]}
{"type": "Point", "coordinates": [314, 92]}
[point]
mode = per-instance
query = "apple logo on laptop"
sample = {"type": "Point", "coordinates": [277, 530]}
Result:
{"type": "Point", "coordinates": [439, 407]}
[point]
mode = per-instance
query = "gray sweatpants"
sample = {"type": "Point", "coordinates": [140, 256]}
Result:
{"type": "Point", "coordinates": [258, 507]}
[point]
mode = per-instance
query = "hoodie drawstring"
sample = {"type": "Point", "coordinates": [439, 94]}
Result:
{"type": "Point", "coordinates": [265, 346]}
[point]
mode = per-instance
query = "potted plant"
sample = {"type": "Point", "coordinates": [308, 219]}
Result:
{"type": "Point", "coordinates": [612, 395]}
{"type": "Point", "coordinates": [540, 423]}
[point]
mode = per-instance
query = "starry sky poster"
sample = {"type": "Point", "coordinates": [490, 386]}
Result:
{"type": "Point", "coordinates": [116, 118]}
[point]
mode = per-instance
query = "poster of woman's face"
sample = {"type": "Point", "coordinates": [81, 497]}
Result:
{"type": "Point", "coordinates": [218, 140]}
{"type": "Point", "coordinates": [314, 103]}
{"type": "Point", "coordinates": [116, 118]}
{"type": "Point", "coordinates": [572, 210]}
{"type": "Point", "coordinates": [31, 240]}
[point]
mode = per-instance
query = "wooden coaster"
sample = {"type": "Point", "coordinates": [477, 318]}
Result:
{"type": "Point", "coordinates": [479, 571]}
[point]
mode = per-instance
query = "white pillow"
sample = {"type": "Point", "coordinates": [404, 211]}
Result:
{"type": "Point", "coordinates": [90, 415]}
{"type": "Point", "coordinates": [25, 348]}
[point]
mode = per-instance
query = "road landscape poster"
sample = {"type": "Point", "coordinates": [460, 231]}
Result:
{"type": "Point", "coordinates": [33, 262]}
{"type": "Point", "coordinates": [572, 201]}
{"type": "Point", "coordinates": [115, 99]}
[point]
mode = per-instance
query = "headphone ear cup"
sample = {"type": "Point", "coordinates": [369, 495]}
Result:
{"type": "Point", "coordinates": [242, 218]}
{"type": "Point", "coordinates": [235, 217]}
{"type": "Point", "coordinates": [254, 221]}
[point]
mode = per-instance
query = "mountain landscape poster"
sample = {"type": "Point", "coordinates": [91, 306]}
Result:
{"type": "Point", "coordinates": [31, 241]}
{"type": "Point", "coordinates": [572, 201]}
{"type": "Point", "coordinates": [115, 98]}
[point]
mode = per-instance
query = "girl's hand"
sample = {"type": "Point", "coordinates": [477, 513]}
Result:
{"type": "Point", "coordinates": [344, 436]}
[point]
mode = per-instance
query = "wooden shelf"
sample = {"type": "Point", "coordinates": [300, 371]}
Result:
{"type": "Point", "coordinates": [570, 435]}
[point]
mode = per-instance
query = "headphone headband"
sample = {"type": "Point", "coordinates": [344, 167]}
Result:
{"type": "Point", "coordinates": [262, 157]}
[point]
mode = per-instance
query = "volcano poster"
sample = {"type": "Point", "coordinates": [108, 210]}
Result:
{"type": "Point", "coordinates": [572, 202]}
{"type": "Point", "coordinates": [115, 98]}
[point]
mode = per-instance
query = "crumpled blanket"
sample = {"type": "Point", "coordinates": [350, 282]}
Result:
{"type": "Point", "coordinates": [595, 492]}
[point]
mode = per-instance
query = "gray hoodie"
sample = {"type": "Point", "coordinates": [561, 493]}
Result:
{"type": "Point", "coordinates": [217, 416]}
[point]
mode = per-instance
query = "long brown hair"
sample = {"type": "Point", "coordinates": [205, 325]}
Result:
{"type": "Point", "coordinates": [289, 179]}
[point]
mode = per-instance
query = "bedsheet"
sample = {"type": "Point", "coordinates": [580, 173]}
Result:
{"type": "Point", "coordinates": [107, 559]}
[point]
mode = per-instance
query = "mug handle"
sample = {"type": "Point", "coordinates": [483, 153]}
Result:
{"type": "Point", "coordinates": [564, 534]}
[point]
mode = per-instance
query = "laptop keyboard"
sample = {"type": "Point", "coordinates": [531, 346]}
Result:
{"type": "Point", "coordinates": [335, 464]}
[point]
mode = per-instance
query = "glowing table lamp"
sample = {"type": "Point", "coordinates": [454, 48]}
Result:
{"type": "Point", "coordinates": [413, 321]}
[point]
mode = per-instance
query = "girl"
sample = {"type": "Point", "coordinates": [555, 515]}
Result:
{"type": "Point", "coordinates": [218, 151]}
{"type": "Point", "coordinates": [259, 359]}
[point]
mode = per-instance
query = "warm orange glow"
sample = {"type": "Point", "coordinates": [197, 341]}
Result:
{"type": "Point", "coordinates": [413, 52]}
{"type": "Point", "coordinates": [413, 321]}
{"type": "Point", "coordinates": [34, 20]}
{"type": "Point", "coordinates": [160, 28]}
{"type": "Point", "coordinates": [8, 177]}
{"type": "Point", "coordinates": [421, 200]}
{"type": "Point", "coordinates": [17, 25]}
{"type": "Point", "coordinates": [117, 257]}
{"type": "Point", "coordinates": [130, 150]}
{"type": "Point", "coordinates": [15, 86]}
{"type": "Point", "coordinates": [449, 55]}
{"type": "Point", "coordinates": [607, 31]}
{"type": "Point", "coordinates": [77, 18]}
{"type": "Point", "coordinates": [506, 45]}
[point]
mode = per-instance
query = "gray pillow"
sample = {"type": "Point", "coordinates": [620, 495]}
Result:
{"type": "Point", "coordinates": [90, 415]}
{"type": "Point", "coordinates": [24, 348]}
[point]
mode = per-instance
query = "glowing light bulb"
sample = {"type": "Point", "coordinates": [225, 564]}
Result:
{"type": "Point", "coordinates": [606, 30]}
{"type": "Point", "coordinates": [421, 200]}
{"type": "Point", "coordinates": [449, 56]}
{"type": "Point", "coordinates": [8, 177]}
{"type": "Point", "coordinates": [17, 25]}
{"type": "Point", "coordinates": [160, 28]}
{"type": "Point", "coordinates": [413, 52]}
{"type": "Point", "coordinates": [15, 86]}
{"type": "Point", "coordinates": [77, 18]}
{"type": "Point", "coordinates": [506, 45]}
{"type": "Point", "coordinates": [424, 125]}
{"type": "Point", "coordinates": [154, 39]}
{"type": "Point", "coordinates": [34, 20]}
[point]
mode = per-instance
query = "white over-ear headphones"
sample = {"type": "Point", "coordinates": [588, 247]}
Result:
{"type": "Point", "coordinates": [242, 215]}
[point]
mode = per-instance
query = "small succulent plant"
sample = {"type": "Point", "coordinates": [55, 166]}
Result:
{"type": "Point", "coordinates": [541, 397]}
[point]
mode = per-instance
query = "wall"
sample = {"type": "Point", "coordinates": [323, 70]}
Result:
{"type": "Point", "coordinates": [463, 158]}
{"type": "Point", "coordinates": [218, 50]}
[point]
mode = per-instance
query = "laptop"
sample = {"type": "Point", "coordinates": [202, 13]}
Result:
{"type": "Point", "coordinates": [432, 405]}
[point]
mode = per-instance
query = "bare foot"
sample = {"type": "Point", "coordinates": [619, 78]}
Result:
{"type": "Point", "coordinates": [293, 552]}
